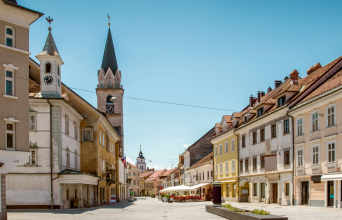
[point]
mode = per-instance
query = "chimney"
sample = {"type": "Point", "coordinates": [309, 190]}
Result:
{"type": "Point", "coordinates": [286, 77]}
{"type": "Point", "coordinates": [262, 93]}
{"type": "Point", "coordinates": [277, 83]}
{"type": "Point", "coordinates": [259, 96]}
{"type": "Point", "coordinates": [251, 101]}
{"type": "Point", "coordinates": [269, 89]}
{"type": "Point", "coordinates": [314, 68]}
{"type": "Point", "coordinates": [294, 77]}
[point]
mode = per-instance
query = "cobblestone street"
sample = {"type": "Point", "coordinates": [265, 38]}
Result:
{"type": "Point", "coordinates": [147, 208]}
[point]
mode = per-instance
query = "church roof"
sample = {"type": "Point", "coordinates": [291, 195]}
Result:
{"type": "Point", "coordinates": [50, 46]}
{"type": "Point", "coordinates": [141, 156]}
{"type": "Point", "coordinates": [109, 58]}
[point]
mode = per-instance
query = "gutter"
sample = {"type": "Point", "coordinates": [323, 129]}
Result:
{"type": "Point", "coordinates": [51, 179]}
{"type": "Point", "coordinates": [293, 157]}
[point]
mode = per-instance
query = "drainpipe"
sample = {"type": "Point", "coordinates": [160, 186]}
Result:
{"type": "Point", "coordinates": [293, 157]}
{"type": "Point", "coordinates": [51, 153]}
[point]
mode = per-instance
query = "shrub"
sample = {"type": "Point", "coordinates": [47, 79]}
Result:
{"type": "Point", "coordinates": [260, 212]}
{"type": "Point", "coordinates": [153, 194]}
{"type": "Point", "coordinates": [226, 205]}
{"type": "Point", "coordinates": [233, 209]}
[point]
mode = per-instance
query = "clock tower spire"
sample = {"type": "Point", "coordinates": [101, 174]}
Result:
{"type": "Point", "coordinates": [50, 67]}
{"type": "Point", "coordinates": [109, 90]}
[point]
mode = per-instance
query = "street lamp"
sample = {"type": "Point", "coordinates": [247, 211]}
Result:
{"type": "Point", "coordinates": [113, 99]}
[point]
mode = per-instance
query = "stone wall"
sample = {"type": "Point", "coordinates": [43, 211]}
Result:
{"type": "Point", "coordinates": [201, 147]}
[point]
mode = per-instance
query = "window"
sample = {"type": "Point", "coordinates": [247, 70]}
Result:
{"type": "Point", "coordinates": [260, 111]}
{"type": "Point", "coordinates": [32, 122]}
{"type": "Point", "coordinates": [282, 100]}
{"type": "Point", "coordinates": [212, 174]}
{"type": "Point", "coordinates": [233, 166]}
{"type": "Point", "coordinates": [262, 135]}
{"type": "Point", "coordinates": [75, 193]}
{"type": "Point", "coordinates": [133, 182]}
{"type": "Point", "coordinates": [300, 158]}
{"type": "Point", "coordinates": [220, 169]}
{"type": "Point", "coordinates": [215, 150]}
{"type": "Point", "coordinates": [315, 154]}
{"type": "Point", "coordinates": [133, 173]}
{"type": "Point", "coordinates": [9, 37]}
{"type": "Point", "coordinates": [220, 149]}
{"type": "Point", "coordinates": [33, 157]}
{"type": "Point", "coordinates": [207, 174]}
{"type": "Point", "coordinates": [216, 168]}
{"type": "Point", "coordinates": [331, 115]}
{"type": "Point", "coordinates": [246, 164]}
{"type": "Point", "coordinates": [255, 189]}
{"type": "Point", "coordinates": [226, 147]}
{"type": "Point", "coordinates": [234, 190]}
{"type": "Point", "coordinates": [262, 190]}
{"type": "Point", "coordinates": [286, 126]}
{"type": "Point", "coordinates": [273, 131]}
{"type": "Point", "coordinates": [241, 165]}
{"type": "Point", "coordinates": [76, 132]}
{"type": "Point", "coordinates": [299, 126]}
{"type": "Point", "coordinates": [9, 83]}
{"type": "Point", "coordinates": [68, 159]}
{"type": "Point", "coordinates": [199, 174]}
{"type": "Point", "coordinates": [110, 105]}
{"type": "Point", "coordinates": [67, 194]}
{"type": "Point", "coordinates": [287, 157]}
{"type": "Point", "coordinates": [86, 135]}
{"type": "Point", "coordinates": [76, 167]}
{"type": "Point", "coordinates": [48, 68]}
{"type": "Point", "coordinates": [227, 190]}
{"type": "Point", "coordinates": [243, 141]}
{"type": "Point", "coordinates": [100, 164]}
{"type": "Point", "coordinates": [331, 152]}
{"type": "Point", "coordinates": [254, 137]}
{"type": "Point", "coordinates": [262, 162]}
{"type": "Point", "coordinates": [100, 137]}
{"type": "Point", "coordinates": [66, 124]}
{"type": "Point", "coordinates": [129, 173]}
{"type": "Point", "coordinates": [58, 69]}
{"type": "Point", "coordinates": [103, 166]}
{"type": "Point", "coordinates": [287, 189]}
{"type": "Point", "coordinates": [314, 121]}
{"type": "Point", "coordinates": [254, 163]}
{"type": "Point", "coordinates": [233, 145]}
{"type": "Point", "coordinates": [226, 163]}
{"type": "Point", "coordinates": [10, 136]}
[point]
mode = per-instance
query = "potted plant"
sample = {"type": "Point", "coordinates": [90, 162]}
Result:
{"type": "Point", "coordinates": [153, 195]}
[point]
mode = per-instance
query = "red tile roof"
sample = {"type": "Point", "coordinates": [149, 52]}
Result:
{"type": "Point", "coordinates": [155, 175]}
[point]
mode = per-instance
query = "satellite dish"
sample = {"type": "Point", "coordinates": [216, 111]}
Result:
{"type": "Point", "coordinates": [113, 99]}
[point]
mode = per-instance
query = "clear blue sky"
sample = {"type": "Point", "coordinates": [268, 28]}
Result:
{"type": "Point", "coordinates": [207, 53]}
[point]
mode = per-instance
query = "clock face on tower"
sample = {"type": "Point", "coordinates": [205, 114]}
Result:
{"type": "Point", "coordinates": [110, 109]}
{"type": "Point", "coordinates": [48, 80]}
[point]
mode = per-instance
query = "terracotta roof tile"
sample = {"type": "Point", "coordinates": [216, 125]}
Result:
{"type": "Point", "coordinates": [155, 175]}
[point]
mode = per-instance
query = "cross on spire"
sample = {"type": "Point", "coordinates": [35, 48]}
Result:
{"type": "Point", "coordinates": [108, 20]}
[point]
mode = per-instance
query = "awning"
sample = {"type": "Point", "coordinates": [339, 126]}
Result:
{"type": "Point", "coordinates": [316, 179]}
{"type": "Point", "coordinates": [332, 177]}
{"type": "Point", "coordinates": [199, 185]}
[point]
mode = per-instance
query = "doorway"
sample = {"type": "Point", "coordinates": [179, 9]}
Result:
{"type": "Point", "coordinates": [275, 192]}
{"type": "Point", "coordinates": [305, 193]}
{"type": "Point", "coordinates": [330, 193]}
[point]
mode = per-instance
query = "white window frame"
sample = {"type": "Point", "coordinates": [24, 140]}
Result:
{"type": "Point", "coordinates": [104, 165]}
{"type": "Point", "coordinates": [100, 164]}
{"type": "Point", "coordinates": [220, 149]}
{"type": "Point", "coordinates": [300, 126]}
{"type": "Point", "coordinates": [312, 113]}
{"type": "Point", "coordinates": [226, 147]}
{"type": "Point", "coordinates": [68, 158]}
{"type": "Point", "coordinates": [76, 163]}
{"type": "Point", "coordinates": [317, 153]}
{"type": "Point", "coordinates": [34, 121]}
{"type": "Point", "coordinates": [216, 168]}
{"type": "Point", "coordinates": [328, 151]}
{"type": "Point", "coordinates": [35, 156]}
{"type": "Point", "coordinates": [232, 146]}
{"type": "Point", "coordinates": [327, 115]}
{"type": "Point", "coordinates": [226, 167]}
{"type": "Point", "coordinates": [302, 156]}
{"type": "Point", "coordinates": [75, 131]}
{"type": "Point", "coordinates": [233, 166]}
{"type": "Point", "coordinates": [221, 168]}
{"type": "Point", "coordinates": [90, 135]}
{"type": "Point", "coordinates": [9, 79]}
{"type": "Point", "coordinates": [215, 150]}
{"type": "Point", "coordinates": [10, 132]}
{"type": "Point", "coordinates": [10, 36]}
{"type": "Point", "coordinates": [66, 126]}
{"type": "Point", "coordinates": [100, 135]}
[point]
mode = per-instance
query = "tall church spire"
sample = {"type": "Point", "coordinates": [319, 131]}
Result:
{"type": "Point", "coordinates": [109, 58]}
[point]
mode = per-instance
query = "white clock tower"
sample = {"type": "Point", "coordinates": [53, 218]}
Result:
{"type": "Point", "coordinates": [50, 69]}
{"type": "Point", "coordinates": [141, 161]}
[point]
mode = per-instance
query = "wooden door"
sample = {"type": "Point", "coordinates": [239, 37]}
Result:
{"type": "Point", "coordinates": [305, 193]}
{"type": "Point", "coordinates": [330, 193]}
{"type": "Point", "coordinates": [275, 192]}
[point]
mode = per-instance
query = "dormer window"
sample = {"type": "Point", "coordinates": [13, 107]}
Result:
{"type": "Point", "coordinates": [282, 100]}
{"type": "Point", "coordinates": [260, 111]}
{"type": "Point", "coordinates": [246, 119]}
{"type": "Point", "coordinates": [48, 68]}
{"type": "Point", "coordinates": [9, 36]}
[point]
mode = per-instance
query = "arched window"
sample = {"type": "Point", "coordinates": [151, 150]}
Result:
{"type": "Point", "coordinates": [109, 84]}
{"type": "Point", "coordinates": [102, 85]}
{"type": "Point", "coordinates": [66, 124]}
{"type": "Point", "coordinates": [48, 68]}
{"type": "Point", "coordinates": [10, 36]}
{"type": "Point", "coordinates": [58, 69]}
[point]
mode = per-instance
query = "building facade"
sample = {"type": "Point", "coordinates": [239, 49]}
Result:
{"type": "Point", "coordinates": [133, 174]}
{"type": "Point", "coordinates": [15, 22]}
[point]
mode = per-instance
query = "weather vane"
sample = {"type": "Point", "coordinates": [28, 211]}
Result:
{"type": "Point", "coordinates": [49, 20]}
{"type": "Point", "coordinates": [108, 20]}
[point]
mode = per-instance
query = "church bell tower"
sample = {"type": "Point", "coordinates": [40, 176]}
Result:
{"type": "Point", "coordinates": [109, 90]}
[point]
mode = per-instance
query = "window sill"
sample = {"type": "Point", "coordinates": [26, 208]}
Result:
{"type": "Point", "coordinates": [274, 137]}
{"type": "Point", "coordinates": [10, 96]}
{"type": "Point", "coordinates": [331, 127]}
{"type": "Point", "coordinates": [10, 149]}
{"type": "Point", "coordinates": [286, 133]}
{"type": "Point", "coordinates": [314, 132]}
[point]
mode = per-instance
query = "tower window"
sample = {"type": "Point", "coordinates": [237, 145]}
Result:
{"type": "Point", "coordinates": [109, 84]}
{"type": "Point", "coordinates": [48, 68]}
{"type": "Point", "coordinates": [58, 69]}
{"type": "Point", "coordinates": [109, 105]}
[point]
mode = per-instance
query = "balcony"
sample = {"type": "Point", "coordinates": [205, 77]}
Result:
{"type": "Point", "coordinates": [128, 181]}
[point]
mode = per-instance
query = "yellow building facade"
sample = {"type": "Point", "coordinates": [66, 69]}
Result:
{"type": "Point", "coordinates": [226, 158]}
